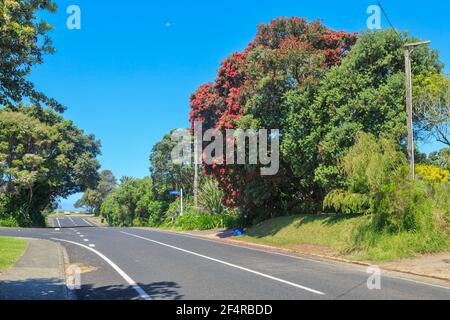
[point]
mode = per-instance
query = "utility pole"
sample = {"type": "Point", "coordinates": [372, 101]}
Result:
{"type": "Point", "coordinates": [196, 161]}
{"type": "Point", "coordinates": [181, 202]}
{"type": "Point", "coordinates": [409, 48]}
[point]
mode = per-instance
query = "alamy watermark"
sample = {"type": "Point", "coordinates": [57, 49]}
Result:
{"type": "Point", "coordinates": [73, 277]}
{"type": "Point", "coordinates": [374, 281]}
{"type": "Point", "coordinates": [374, 20]}
{"type": "Point", "coordinates": [229, 148]}
{"type": "Point", "coordinates": [73, 22]}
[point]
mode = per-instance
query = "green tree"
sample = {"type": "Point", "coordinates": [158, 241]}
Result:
{"type": "Point", "coordinates": [42, 158]}
{"type": "Point", "coordinates": [432, 105]}
{"type": "Point", "coordinates": [166, 174]}
{"type": "Point", "coordinates": [365, 93]}
{"type": "Point", "coordinates": [132, 203]}
{"type": "Point", "coordinates": [440, 158]}
{"type": "Point", "coordinates": [92, 199]}
{"type": "Point", "coordinates": [23, 44]}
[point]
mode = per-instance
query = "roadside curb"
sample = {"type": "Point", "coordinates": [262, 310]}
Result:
{"type": "Point", "coordinates": [39, 274]}
{"type": "Point", "coordinates": [300, 254]}
{"type": "Point", "coordinates": [70, 294]}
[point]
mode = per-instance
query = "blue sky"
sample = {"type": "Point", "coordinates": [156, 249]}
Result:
{"type": "Point", "coordinates": [128, 73]}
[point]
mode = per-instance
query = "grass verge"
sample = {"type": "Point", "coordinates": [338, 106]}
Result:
{"type": "Point", "coordinates": [10, 251]}
{"type": "Point", "coordinates": [336, 236]}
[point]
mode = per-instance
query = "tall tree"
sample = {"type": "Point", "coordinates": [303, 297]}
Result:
{"type": "Point", "coordinates": [166, 174]}
{"type": "Point", "coordinates": [23, 43]}
{"type": "Point", "coordinates": [92, 199]}
{"type": "Point", "coordinates": [432, 106]}
{"type": "Point", "coordinates": [42, 158]}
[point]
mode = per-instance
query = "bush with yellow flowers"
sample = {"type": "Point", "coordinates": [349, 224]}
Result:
{"type": "Point", "coordinates": [432, 173]}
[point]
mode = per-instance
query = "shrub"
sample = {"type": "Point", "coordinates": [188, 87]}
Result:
{"type": "Point", "coordinates": [200, 221]}
{"type": "Point", "coordinates": [432, 174]}
{"type": "Point", "coordinates": [9, 222]}
{"type": "Point", "coordinates": [211, 197]}
{"type": "Point", "coordinates": [346, 202]}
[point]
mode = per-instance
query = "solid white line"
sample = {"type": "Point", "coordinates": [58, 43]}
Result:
{"type": "Point", "coordinates": [228, 264]}
{"type": "Point", "coordinates": [90, 224]}
{"type": "Point", "coordinates": [334, 263]}
{"type": "Point", "coordinates": [59, 224]}
{"type": "Point", "coordinates": [126, 277]}
{"type": "Point", "coordinates": [72, 221]}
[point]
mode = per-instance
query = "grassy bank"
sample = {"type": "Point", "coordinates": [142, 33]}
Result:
{"type": "Point", "coordinates": [10, 251]}
{"type": "Point", "coordinates": [338, 236]}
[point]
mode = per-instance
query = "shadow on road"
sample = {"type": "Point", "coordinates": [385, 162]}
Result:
{"type": "Point", "coordinates": [157, 291]}
{"type": "Point", "coordinates": [33, 289]}
{"type": "Point", "coordinates": [52, 289]}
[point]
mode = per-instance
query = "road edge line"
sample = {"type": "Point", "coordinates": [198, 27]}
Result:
{"type": "Point", "coordinates": [122, 273]}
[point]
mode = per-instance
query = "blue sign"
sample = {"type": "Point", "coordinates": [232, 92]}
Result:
{"type": "Point", "coordinates": [175, 193]}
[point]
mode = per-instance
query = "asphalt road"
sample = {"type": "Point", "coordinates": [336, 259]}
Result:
{"type": "Point", "coordinates": [145, 264]}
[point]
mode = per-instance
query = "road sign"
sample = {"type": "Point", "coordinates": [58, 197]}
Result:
{"type": "Point", "coordinates": [175, 193]}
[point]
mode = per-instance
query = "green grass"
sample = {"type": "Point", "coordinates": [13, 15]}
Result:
{"type": "Point", "coordinates": [336, 235]}
{"type": "Point", "coordinates": [10, 251]}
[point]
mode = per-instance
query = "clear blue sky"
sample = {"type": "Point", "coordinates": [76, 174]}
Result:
{"type": "Point", "coordinates": [128, 73]}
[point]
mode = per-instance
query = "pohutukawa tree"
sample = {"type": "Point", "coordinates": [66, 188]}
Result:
{"type": "Point", "coordinates": [319, 87]}
{"type": "Point", "coordinates": [252, 91]}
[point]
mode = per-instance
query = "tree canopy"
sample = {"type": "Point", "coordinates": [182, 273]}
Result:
{"type": "Point", "coordinates": [42, 158]}
{"type": "Point", "coordinates": [24, 41]}
{"type": "Point", "coordinates": [320, 87]}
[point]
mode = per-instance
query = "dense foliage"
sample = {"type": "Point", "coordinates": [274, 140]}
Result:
{"type": "Point", "coordinates": [42, 158]}
{"type": "Point", "coordinates": [23, 44]}
{"type": "Point", "coordinates": [320, 87]}
{"type": "Point", "coordinates": [92, 199]}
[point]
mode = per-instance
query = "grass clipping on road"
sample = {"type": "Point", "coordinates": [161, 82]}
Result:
{"type": "Point", "coordinates": [10, 251]}
{"type": "Point", "coordinates": [334, 236]}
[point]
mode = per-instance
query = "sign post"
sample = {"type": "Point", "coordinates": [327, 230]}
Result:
{"type": "Point", "coordinates": [181, 202]}
{"type": "Point", "coordinates": [179, 193]}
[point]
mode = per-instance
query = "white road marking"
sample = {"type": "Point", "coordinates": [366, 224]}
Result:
{"type": "Point", "coordinates": [126, 277]}
{"type": "Point", "coordinates": [57, 229]}
{"type": "Point", "coordinates": [86, 240]}
{"type": "Point", "coordinates": [92, 245]}
{"type": "Point", "coordinates": [228, 264]}
{"type": "Point", "coordinates": [81, 236]}
{"type": "Point", "coordinates": [250, 248]}
{"type": "Point", "coordinates": [70, 218]}
{"type": "Point", "coordinates": [59, 224]}
{"type": "Point", "coordinates": [334, 263]}
{"type": "Point", "coordinates": [90, 224]}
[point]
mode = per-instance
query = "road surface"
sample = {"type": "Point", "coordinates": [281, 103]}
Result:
{"type": "Point", "coordinates": [132, 263]}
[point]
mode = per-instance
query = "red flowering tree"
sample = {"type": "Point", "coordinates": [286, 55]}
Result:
{"type": "Point", "coordinates": [252, 90]}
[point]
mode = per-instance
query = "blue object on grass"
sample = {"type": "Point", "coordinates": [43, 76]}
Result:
{"type": "Point", "coordinates": [238, 232]}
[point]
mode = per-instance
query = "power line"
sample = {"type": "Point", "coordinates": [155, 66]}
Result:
{"type": "Point", "coordinates": [387, 18]}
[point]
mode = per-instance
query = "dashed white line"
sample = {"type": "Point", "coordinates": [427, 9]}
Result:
{"type": "Point", "coordinates": [126, 277]}
{"type": "Point", "coordinates": [92, 245]}
{"type": "Point", "coordinates": [228, 264]}
{"type": "Point", "coordinates": [86, 240]}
